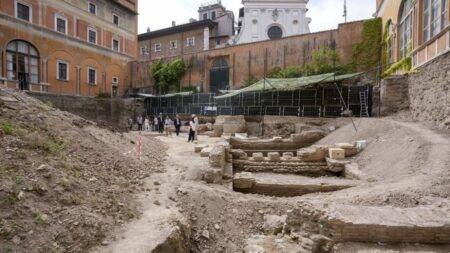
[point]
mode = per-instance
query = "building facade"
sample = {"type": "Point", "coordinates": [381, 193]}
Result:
{"type": "Point", "coordinates": [224, 19]}
{"type": "Point", "coordinates": [77, 47]}
{"type": "Point", "coordinates": [229, 67]}
{"type": "Point", "coordinates": [416, 29]}
{"type": "Point", "coordinates": [272, 19]}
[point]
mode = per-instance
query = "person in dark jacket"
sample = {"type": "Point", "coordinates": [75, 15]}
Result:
{"type": "Point", "coordinates": [177, 124]}
{"type": "Point", "coordinates": [160, 123]}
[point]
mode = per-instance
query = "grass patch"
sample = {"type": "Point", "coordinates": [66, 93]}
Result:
{"type": "Point", "coordinates": [50, 144]}
{"type": "Point", "coordinates": [7, 128]}
{"type": "Point", "coordinates": [10, 199]}
{"type": "Point", "coordinates": [47, 106]}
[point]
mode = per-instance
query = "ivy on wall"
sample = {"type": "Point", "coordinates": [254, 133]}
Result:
{"type": "Point", "coordinates": [167, 76]}
{"type": "Point", "coordinates": [404, 65]}
{"type": "Point", "coordinates": [367, 53]}
{"type": "Point", "coordinates": [324, 60]}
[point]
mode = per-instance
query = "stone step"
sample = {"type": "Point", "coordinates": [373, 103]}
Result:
{"type": "Point", "coordinates": [282, 185]}
{"type": "Point", "coordinates": [314, 169]}
{"type": "Point", "coordinates": [374, 224]}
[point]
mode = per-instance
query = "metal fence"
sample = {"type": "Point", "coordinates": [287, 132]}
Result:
{"type": "Point", "coordinates": [326, 101]}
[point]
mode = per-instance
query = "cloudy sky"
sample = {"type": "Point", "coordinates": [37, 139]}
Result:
{"type": "Point", "coordinates": [325, 14]}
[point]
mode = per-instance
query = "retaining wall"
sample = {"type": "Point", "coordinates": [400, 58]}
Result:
{"type": "Point", "coordinates": [112, 113]}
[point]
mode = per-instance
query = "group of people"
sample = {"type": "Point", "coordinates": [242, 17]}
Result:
{"type": "Point", "coordinates": [165, 125]}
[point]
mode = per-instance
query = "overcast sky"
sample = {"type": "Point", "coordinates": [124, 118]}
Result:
{"type": "Point", "coordinates": [325, 14]}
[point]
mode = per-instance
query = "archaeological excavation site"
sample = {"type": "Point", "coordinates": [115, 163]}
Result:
{"type": "Point", "coordinates": [247, 184]}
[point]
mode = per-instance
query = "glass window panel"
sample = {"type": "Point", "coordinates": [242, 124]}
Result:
{"type": "Point", "coordinates": [12, 46]}
{"type": "Point", "coordinates": [22, 47]}
{"type": "Point", "coordinates": [34, 78]}
{"type": "Point", "coordinates": [34, 70]}
{"type": "Point", "coordinates": [23, 12]}
{"type": "Point", "coordinates": [33, 51]}
{"type": "Point", "coordinates": [11, 75]}
{"type": "Point", "coordinates": [34, 61]}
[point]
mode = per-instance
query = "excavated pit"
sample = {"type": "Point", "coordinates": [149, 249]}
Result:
{"type": "Point", "coordinates": [288, 167]}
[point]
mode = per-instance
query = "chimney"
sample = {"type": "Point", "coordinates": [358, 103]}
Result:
{"type": "Point", "coordinates": [192, 20]}
{"type": "Point", "coordinates": [174, 23]}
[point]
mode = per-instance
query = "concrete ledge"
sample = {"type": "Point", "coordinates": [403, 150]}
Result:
{"type": "Point", "coordinates": [284, 166]}
{"type": "Point", "coordinates": [287, 185]}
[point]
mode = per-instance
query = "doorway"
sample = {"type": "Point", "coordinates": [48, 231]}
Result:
{"type": "Point", "coordinates": [219, 76]}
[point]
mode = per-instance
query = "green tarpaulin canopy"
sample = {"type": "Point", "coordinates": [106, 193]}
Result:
{"type": "Point", "coordinates": [289, 84]}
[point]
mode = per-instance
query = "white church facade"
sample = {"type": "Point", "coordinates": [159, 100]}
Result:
{"type": "Point", "coordinates": [272, 19]}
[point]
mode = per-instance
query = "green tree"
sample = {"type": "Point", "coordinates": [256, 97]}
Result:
{"type": "Point", "coordinates": [167, 76]}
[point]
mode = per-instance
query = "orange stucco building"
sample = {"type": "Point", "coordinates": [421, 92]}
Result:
{"type": "Point", "coordinates": [77, 47]}
{"type": "Point", "coordinates": [419, 29]}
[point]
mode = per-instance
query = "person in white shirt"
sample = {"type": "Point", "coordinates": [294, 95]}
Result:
{"type": "Point", "coordinates": [167, 126]}
{"type": "Point", "coordinates": [196, 123]}
{"type": "Point", "coordinates": [146, 124]}
{"type": "Point", "coordinates": [192, 128]}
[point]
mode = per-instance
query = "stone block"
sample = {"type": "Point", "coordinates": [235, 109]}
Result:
{"type": "Point", "coordinates": [288, 155]}
{"type": "Point", "coordinates": [238, 154]}
{"type": "Point", "coordinates": [199, 148]}
{"type": "Point", "coordinates": [350, 149]}
{"type": "Point", "coordinates": [336, 153]}
{"type": "Point", "coordinates": [274, 156]}
{"type": "Point", "coordinates": [313, 154]}
{"type": "Point", "coordinates": [213, 176]}
{"type": "Point", "coordinates": [258, 157]}
{"type": "Point", "coordinates": [243, 180]}
{"type": "Point", "coordinates": [336, 165]}
{"type": "Point", "coordinates": [227, 171]}
{"type": "Point", "coordinates": [205, 152]}
{"type": "Point", "coordinates": [217, 156]}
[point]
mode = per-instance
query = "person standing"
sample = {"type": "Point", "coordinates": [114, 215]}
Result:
{"type": "Point", "coordinates": [191, 130]}
{"type": "Point", "coordinates": [155, 124]}
{"type": "Point", "coordinates": [177, 124]}
{"type": "Point", "coordinates": [196, 123]}
{"type": "Point", "coordinates": [146, 124]}
{"type": "Point", "coordinates": [167, 126]}
{"type": "Point", "coordinates": [140, 122]}
{"type": "Point", "coordinates": [130, 124]}
{"type": "Point", "coordinates": [160, 123]}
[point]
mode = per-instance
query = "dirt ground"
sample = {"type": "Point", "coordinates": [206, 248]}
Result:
{"type": "Point", "coordinates": [67, 185]}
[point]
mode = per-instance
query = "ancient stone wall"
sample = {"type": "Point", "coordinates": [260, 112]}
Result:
{"type": "Point", "coordinates": [429, 91]}
{"type": "Point", "coordinates": [111, 113]}
{"type": "Point", "coordinates": [393, 94]}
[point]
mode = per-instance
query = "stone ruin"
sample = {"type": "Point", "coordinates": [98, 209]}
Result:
{"type": "Point", "coordinates": [294, 166]}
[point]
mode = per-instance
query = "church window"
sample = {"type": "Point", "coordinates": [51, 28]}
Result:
{"type": "Point", "coordinates": [275, 32]}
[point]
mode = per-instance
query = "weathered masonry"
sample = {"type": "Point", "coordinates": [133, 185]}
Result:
{"type": "Point", "coordinates": [68, 47]}
{"type": "Point", "coordinates": [235, 64]}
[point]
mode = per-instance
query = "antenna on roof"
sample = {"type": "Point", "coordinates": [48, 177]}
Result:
{"type": "Point", "coordinates": [345, 11]}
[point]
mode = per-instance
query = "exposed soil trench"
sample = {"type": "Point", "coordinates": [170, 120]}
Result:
{"type": "Point", "coordinates": [181, 213]}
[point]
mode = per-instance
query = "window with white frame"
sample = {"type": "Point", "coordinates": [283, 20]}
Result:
{"type": "Point", "coordinates": [213, 15]}
{"type": "Point", "coordinates": [116, 19]}
{"type": "Point", "coordinates": [190, 42]}
{"type": "Point", "coordinates": [23, 11]}
{"type": "Point", "coordinates": [62, 70]}
{"type": "Point", "coordinates": [115, 80]}
{"type": "Point", "coordinates": [173, 44]}
{"type": "Point", "coordinates": [434, 17]}
{"type": "Point", "coordinates": [116, 45]}
{"type": "Point", "coordinates": [92, 76]}
{"type": "Point", "coordinates": [93, 8]}
{"type": "Point", "coordinates": [143, 50]}
{"type": "Point", "coordinates": [60, 24]}
{"type": "Point", "coordinates": [92, 35]}
{"type": "Point", "coordinates": [158, 47]}
{"type": "Point", "coordinates": [205, 16]}
{"type": "Point", "coordinates": [405, 28]}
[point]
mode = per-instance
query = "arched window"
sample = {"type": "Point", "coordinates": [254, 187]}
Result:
{"type": "Point", "coordinates": [220, 63]}
{"type": "Point", "coordinates": [22, 60]}
{"type": "Point", "coordinates": [389, 42]}
{"type": "Point", "coordinates": [275, 32]}
{"type": "Point", "coordinates": [434, 17]}
{"type": "Point", "coordinates": [405, 28]}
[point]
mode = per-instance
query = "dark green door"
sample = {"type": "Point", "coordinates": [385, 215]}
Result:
{"type": "Point", "coordinates": [219, 76]}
